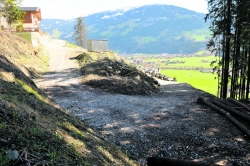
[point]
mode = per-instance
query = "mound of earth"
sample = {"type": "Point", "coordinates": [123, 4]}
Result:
{"type": "Point", "coordinates": [110, 72]}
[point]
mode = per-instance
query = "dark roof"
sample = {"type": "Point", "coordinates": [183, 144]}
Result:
{"type": "Point", "coordinates": [98, 40]}
{"type": "Point", "coordinates": [29, 9]}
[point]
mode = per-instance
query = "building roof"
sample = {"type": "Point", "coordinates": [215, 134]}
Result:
{"type": "Point", "coordinates": [98, 40]}
{"type": "Point", "coordinates": [26, 9]}
{"type": "Point", "coordinates": [29, 9]}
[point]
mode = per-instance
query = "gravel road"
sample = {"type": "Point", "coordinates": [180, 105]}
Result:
{"type": "Point", "coordinates": [169, 124]}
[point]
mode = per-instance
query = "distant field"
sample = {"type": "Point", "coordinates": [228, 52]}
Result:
{"type": "Point", "coordinates": [203, 81]}
{"type": "Point", "coordinates": [201, 52]}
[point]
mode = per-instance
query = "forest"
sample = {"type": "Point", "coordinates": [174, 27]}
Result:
{"type": "Point", "coordinates": [230, 27]}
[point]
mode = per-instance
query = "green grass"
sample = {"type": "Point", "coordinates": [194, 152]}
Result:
{"type": "Point", "coordinates": [197, 34]}
{"type": "Point", "coordinates": [144, 40]}
{"type": "Point", "coordinates": [30, 89]}
{"type": "Point", "coordinates": [199, 37]}
{"type": "Point", "coordinates": [202, 81]}
{"type": "Point", "coordinates": [25, 35]}
{"type": "Point", "coordinates": [202, 52]}
{"type": "Point", "coordinates": [199, 80]}
{"type": "Point", "coordinates": [130, 29]}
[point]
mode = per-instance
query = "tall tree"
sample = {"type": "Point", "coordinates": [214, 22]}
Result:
{"type": "Point", "coordinates": [80, 34]}
{"type": "Point", "coordinates": [227, 49]}
{"type": "Point", "coordinates": [230, 21]}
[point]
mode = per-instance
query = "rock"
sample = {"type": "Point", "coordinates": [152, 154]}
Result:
{"type": "Point", "coordinates": [155, 82]}
{"type": "Point", "coordinates": [12, 154]}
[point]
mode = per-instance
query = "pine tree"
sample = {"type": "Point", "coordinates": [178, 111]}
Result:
{"type": "Point", "coordinates": [80, 34]}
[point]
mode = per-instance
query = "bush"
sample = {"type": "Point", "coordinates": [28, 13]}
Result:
{"type": "Point", "coordinates": [19, 28]}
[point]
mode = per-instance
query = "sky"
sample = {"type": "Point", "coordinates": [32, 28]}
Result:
{"type": "Point", "coordinates": [69, 9]}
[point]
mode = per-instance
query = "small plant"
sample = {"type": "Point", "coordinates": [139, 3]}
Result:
{"type": "Point", "coordinates": [77, 154]}
{"type": "Point", "coordinates": [35, 131]}
{"type": "Point", "coordinates": [52, 156]}
{"type": "Point", "coordinates": [3, 160]}
{"type": "Point", "coordinates": [58, 136]}
{"type": "Point", "coordinates": [15, 115]}
{"type": "Point", "coordinates": [174, 79]}
{"type": "Point", "coordinates": [19, 28]}
{"type": "Point", "coordinates": [2, 125]}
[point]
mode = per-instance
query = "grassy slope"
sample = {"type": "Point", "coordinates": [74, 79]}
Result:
{"type": "Point", "coordinates": [30, 122]}
{"type": "Point", "coordinates": [25, 35]}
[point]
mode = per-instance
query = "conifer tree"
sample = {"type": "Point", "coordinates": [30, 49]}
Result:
{"type": "Point", "coordinates": [80, 34]}
{"type": "Point", "coordinates": [230, 23]}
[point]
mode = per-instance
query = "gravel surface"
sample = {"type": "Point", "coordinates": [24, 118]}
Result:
{"type": "Point", "coordinates": [169, 124]}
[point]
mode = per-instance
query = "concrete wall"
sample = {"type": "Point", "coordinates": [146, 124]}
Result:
{"type": "Point", "coordinates": [3, 21]}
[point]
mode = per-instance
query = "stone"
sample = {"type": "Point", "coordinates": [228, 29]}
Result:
{"type": "Point", "coordinates": [12, 154]}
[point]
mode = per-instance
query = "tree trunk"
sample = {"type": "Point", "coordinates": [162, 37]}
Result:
{"type": "Point", "coordinates": [232, 111]}
{"type": "Point", "coordinates": [239, 104]}
{"type": "Point", "coordinates": [227, 54]}
{"type": "Point", "coordinates": [227, 114]}
{"type": "Point", "coordinates": [248, 75]}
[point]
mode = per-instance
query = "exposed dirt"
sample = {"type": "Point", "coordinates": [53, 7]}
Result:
{"type": "Point", "coordinates": [170, 123]}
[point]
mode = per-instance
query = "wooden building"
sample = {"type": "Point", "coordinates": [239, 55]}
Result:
{"type": "Point", "coordinates": [31, 20]}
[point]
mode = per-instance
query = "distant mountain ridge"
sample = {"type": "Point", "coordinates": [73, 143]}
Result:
{"type": "Point", "coordinates": [148, 29]}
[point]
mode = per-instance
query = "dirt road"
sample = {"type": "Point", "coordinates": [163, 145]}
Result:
{"type": "Point", "coordinates": [63, 69]}
{"type": "Point", "coordinates": [169, 124]}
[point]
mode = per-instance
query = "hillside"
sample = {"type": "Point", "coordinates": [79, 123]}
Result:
{"type": "Point", "coordinates": [150, 29]}
{"type": "Point", "coordinates": [33, 129]}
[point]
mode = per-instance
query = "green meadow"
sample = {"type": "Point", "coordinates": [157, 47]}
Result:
{"type": "Point", "coordinates": [204, 81]}
{"type": "Point", "coordinates": [207, 82]}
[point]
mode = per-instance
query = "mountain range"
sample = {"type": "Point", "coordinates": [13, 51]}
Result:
{"type": "Point", "coordinates": [151, 29]}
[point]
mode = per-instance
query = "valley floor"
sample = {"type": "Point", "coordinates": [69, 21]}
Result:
{"type": "Point", "coordinates": [169, 124]}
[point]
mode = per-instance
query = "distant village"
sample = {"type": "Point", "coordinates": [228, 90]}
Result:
{"type": "Point", "coordinates": [142, 60]}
